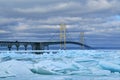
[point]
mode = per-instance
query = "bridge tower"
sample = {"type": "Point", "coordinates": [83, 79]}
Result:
{"type": "Point", "coordinates": [82, 39]}
{"type": "Point", "coordinates": [62, 36]}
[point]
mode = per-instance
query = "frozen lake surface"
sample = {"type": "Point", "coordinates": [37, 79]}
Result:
{"type": "Point", "coordinates": [63, 65]}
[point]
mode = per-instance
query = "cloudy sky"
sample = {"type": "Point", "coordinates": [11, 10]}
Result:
{"type": "Point", "coordinates": [38, 20]}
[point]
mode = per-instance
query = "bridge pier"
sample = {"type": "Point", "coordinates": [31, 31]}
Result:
{"type": "Point", "coordinates": [25, 46]}
{"type": "Point", "coordinates": [47, 47]}
{"type": "Point", "coordinates": [17, 46]}
{"type": "Point", "coordinates": [9, 47]}
{"type": "Point", "coordinates": [38, 46]}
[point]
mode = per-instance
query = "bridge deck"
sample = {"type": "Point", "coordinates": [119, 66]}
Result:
{"type": "Point", "coordinates": [37, 45]}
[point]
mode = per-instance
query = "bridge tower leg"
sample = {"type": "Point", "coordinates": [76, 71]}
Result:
{"type": "Point", "coordinates": [82, 39]}
{"type": "Point", "coordinates": [62, 36]}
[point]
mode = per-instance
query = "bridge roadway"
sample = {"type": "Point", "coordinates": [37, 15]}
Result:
{"type": "Point", "coordinates": [37, 45]}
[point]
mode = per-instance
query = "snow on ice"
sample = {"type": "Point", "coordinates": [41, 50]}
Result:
{"type": "Point", "coordinates": [74, 64]}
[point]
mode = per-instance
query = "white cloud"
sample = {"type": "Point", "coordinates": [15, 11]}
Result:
{"type": "Point", "coordinates": [4, 20]}
{"type": "Point", "coordinates": [21, 27]}
{"type": "Point", "coordinates": [57, 20]}
{"type": "Point", "coordinates": [73, 7]}
{"type": "Point", "coordinates": [94, 5]}
{"type": "Point", "coordinates": [4, 31]}
{"type": "Point", "coordinates": [46, 8]}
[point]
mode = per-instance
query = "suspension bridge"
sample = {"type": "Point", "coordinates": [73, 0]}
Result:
{"type": "Point", "coordinates": [42, 45]}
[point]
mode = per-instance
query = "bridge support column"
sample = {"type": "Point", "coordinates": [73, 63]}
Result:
{"type": "Point", "coordinates": [32, 47]}
{"type": "Point", "coordinates": [9, 47]}
{"type": "Point", "coordinates": [42, 47]}
{"type": "Point", "coordinates": [25, 47]}
{"type": "Point", "coordinates": [38, 46]}
{"type": "Point", "coordinates": [47, 47]}
{"type": "Point", "coordinates": [17, 46]}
